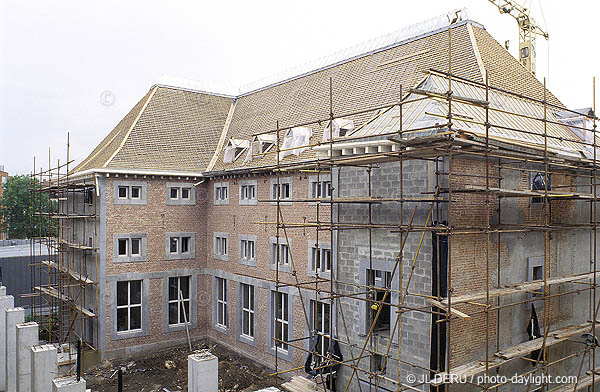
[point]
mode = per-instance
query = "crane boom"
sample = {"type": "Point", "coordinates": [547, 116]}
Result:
{"type": "Point", "coordinates": [528, 30]}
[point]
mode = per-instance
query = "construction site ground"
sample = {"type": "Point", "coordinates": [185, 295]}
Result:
{"type": "Point", "coordinates": [151, 372]}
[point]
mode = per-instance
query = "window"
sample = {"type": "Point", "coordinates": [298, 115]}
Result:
{"type": "Point", "coordinates": [322, 327]}
{"type": "Point", "coordinates": [320, 258]}
{"type": "Point", "coordinates": [129, 192]}
{"type": "Point", "coordinates": [535, 266]}
{"type": "Point", "coordinates": [221, 246]}
{"type": "Point", "coordinates": [179, 193]}
{"type": "Point", "coordinates": [179, 300]}
{"type": "Point", "coordinates": [180, 246]}
{"type": "Point", "coordinates": [222, 317]}
{"type": "Point", "coordinates": [538, 183]}
{"type": "Point", "coordinates": [282, 322]}
{"type": "Point", "coordinates": [221, 193]}
{"type": "Point", "coordinates": [284, 254]}
{"type": "Point", "coordinates": [136, 192]}
{"type": "Point", "coordinates": [377, 363]}
{"type": "Point", "coordinates": [127, 247]}
{"type": "Point", "coordinates": [379, 282]}
{"type": "Point", "coordinates": [123, 247]}
{"type": "Point", "coordinates": [320, 189]}
{"type": "Point", "coordinates": [129, 305]}
{"type": "Point", "coordinates": [88, 196]}
{"type": "Point", "coordinates": [135, 246]}
{"type": "Point", "coordinates": [248, 192]}
{"type": "Point", "coordinates": [247, 302]}
{"type": "Point", "coordinates": [247, 248]}
{"type": "Point", "coordinates": [281, 191]}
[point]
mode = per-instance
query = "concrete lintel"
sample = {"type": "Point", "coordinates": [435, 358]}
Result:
{"type": "Point", "coordinates": [27, 336]}
{"type": "Point", "coordinates": [203, 373]}
{"type": "Point", "coordinates": [44, 367]}
{"type": "Point", "coordinates": [13, 316]}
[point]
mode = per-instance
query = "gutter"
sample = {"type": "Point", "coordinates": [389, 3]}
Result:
{"type": "Point", "coordinates": [142, 172]}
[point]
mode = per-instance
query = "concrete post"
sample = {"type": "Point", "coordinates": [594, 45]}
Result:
{"type": "Point", "coordinates": [2, 291]}
{"type": "Point", "coordinates": [203, 373]}
{"type": "Point", "coordinates": [44, 367]}
{"type": "Point", "coordinates": [27, 336]}
{"type": "Point", "coordinates": [6, 302]}
{"type": "Point", "coordinates": [14, 316]}
{"type": "Point", "coordinates": [68, 384]}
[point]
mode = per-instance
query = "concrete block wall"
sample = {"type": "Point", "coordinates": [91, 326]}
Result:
{"type": "Point", "coordinates": [354, 258]}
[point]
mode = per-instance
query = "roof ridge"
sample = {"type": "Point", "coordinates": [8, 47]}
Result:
{"type": "Point", "coordinates": [223, 136]}
{"type": "Point", "coordinates": [131, 127]}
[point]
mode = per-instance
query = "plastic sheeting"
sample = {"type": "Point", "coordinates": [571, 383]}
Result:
{"type": "Point", "coordinates": [295, 137]}
{"type": "Point", "coordinates": [339, 124]}
{"type": "Point", "coordinates": [260, 145]}
{"type": "Point", "coordinates": [234, 149]}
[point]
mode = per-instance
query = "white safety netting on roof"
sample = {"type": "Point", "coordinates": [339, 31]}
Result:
{"type": "Point", "coordinates": [341, 126]}
{"type": "Point", "coordinates": [235, 148]}
{"type": "Point", "coordinates": [296, 137]}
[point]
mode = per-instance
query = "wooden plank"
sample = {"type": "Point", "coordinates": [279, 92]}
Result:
{"type": "Point", "coordinates": [52, 292]}
{"type": "Point", "coordinates": [523, 193]}
{"type": "Point", "coordinates": [445, 307]}
{"type": "Point", "coordinates": [74, 275]}
{"type": "Point", "coordinates": [504, 356]}
{"type": "Point", "coordinates": [519, 288]}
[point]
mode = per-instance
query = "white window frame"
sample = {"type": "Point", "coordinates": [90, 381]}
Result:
{"type": "Point", "coordinates": [180, 303]}
{"type": "Point", "coordinates": [128, 198]}
{"type": "Point", "coordinates": [179, 200]}
{"type": "Point", "coordinates": [178, 238]}
{"type": "Point", "coordinates": [139, 189]}
{"type": "Point", "coordinates": [128, 239]}
{"type": "Point", "coordinates": [221, 246]}
{"type": "Point", "coordinates": [285, 182]}
{"type": "Point", "coordinates": [281, 324]}
{"type": "Point", "coordinates": [129, 306]}
{"type": "Point", "coordinates": [221, 193]}
{"type": "Point", "coordinates": [245, 187]}
{"type": "Point", "coordinates": [247, 291]}
{"type": "Point", "coordinates": [322, 328]}
{"type": "Point", "coordinates": [320, 189]}
{"type": "Point", "coordinates": [221, 303]}
{"type": "Point", "coordinates": [319, 250]}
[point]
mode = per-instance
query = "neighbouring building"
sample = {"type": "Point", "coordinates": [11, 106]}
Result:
{"type": "Point", "coordinates": [173, 216]}
{"type": "Point", "coordinates": [3, 178]}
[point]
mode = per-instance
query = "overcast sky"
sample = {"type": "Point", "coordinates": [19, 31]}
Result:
{"type": "Point", "coordinates": [66, 66]}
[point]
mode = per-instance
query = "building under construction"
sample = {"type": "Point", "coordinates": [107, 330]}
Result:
{"type": "Point", "coordinates": [419, 215]}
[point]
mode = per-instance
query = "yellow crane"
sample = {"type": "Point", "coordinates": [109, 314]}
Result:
{"type": "Point", "coordinates": [528, 29]}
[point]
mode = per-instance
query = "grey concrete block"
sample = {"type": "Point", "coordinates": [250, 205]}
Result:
{"type": "Point", "coordinates": [203, 373]}
{"type": "Point", "coordinates": [14, 316]}
{"type": "Point", "coordinates": [6, 302]}
{"type": "Point", "coordinates": [68, 384]}
{"type": "Point", "coordinates": [44, 367]}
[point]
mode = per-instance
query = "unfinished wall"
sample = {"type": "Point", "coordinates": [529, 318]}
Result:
{"type": "Point", "coordinates": [354, 258]}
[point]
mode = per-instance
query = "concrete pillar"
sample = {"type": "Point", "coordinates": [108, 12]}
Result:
{"type": "Point", "coordinates": [203, 373]}
{"type": "Point", "coordinates": [44, 367]}
{"type": "Point", "coordinates": [6, 302]}
{"type": "Point", "coordinates": [68, 384]}
{"type": "Point", "coordinates": [14, 316]}
{"type": "Point", "coordinates": [27, 336]}
{"type": "Point", "coordinates": [2, 291]}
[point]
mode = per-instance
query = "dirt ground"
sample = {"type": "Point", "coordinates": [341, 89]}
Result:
{"type": "Point", "coordinates": [149, 373]}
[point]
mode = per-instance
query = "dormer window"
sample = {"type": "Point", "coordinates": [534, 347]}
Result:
{"type": "Point", "coordinates": [295, 141]}
{"type": "Point", "coordinates": [235, 148]}
{"type": "Point", "coordinates": [261, 145]}
{"type": "Point", "coordinates": [341, 127]}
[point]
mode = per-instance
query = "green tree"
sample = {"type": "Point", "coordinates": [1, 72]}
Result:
{"type": "Point", "coordinates": [19, 205]}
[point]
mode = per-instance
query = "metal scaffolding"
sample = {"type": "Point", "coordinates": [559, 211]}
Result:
{"type": "Point", "coordinates": [447, 142]}
{"type": "Point", "coordinates": [64, 295]}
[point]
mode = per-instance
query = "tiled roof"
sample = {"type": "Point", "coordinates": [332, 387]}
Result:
{"type": "Point", "coordinates": [169, 129]}
{"type": "Point", "coordinates": [185, 130]}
